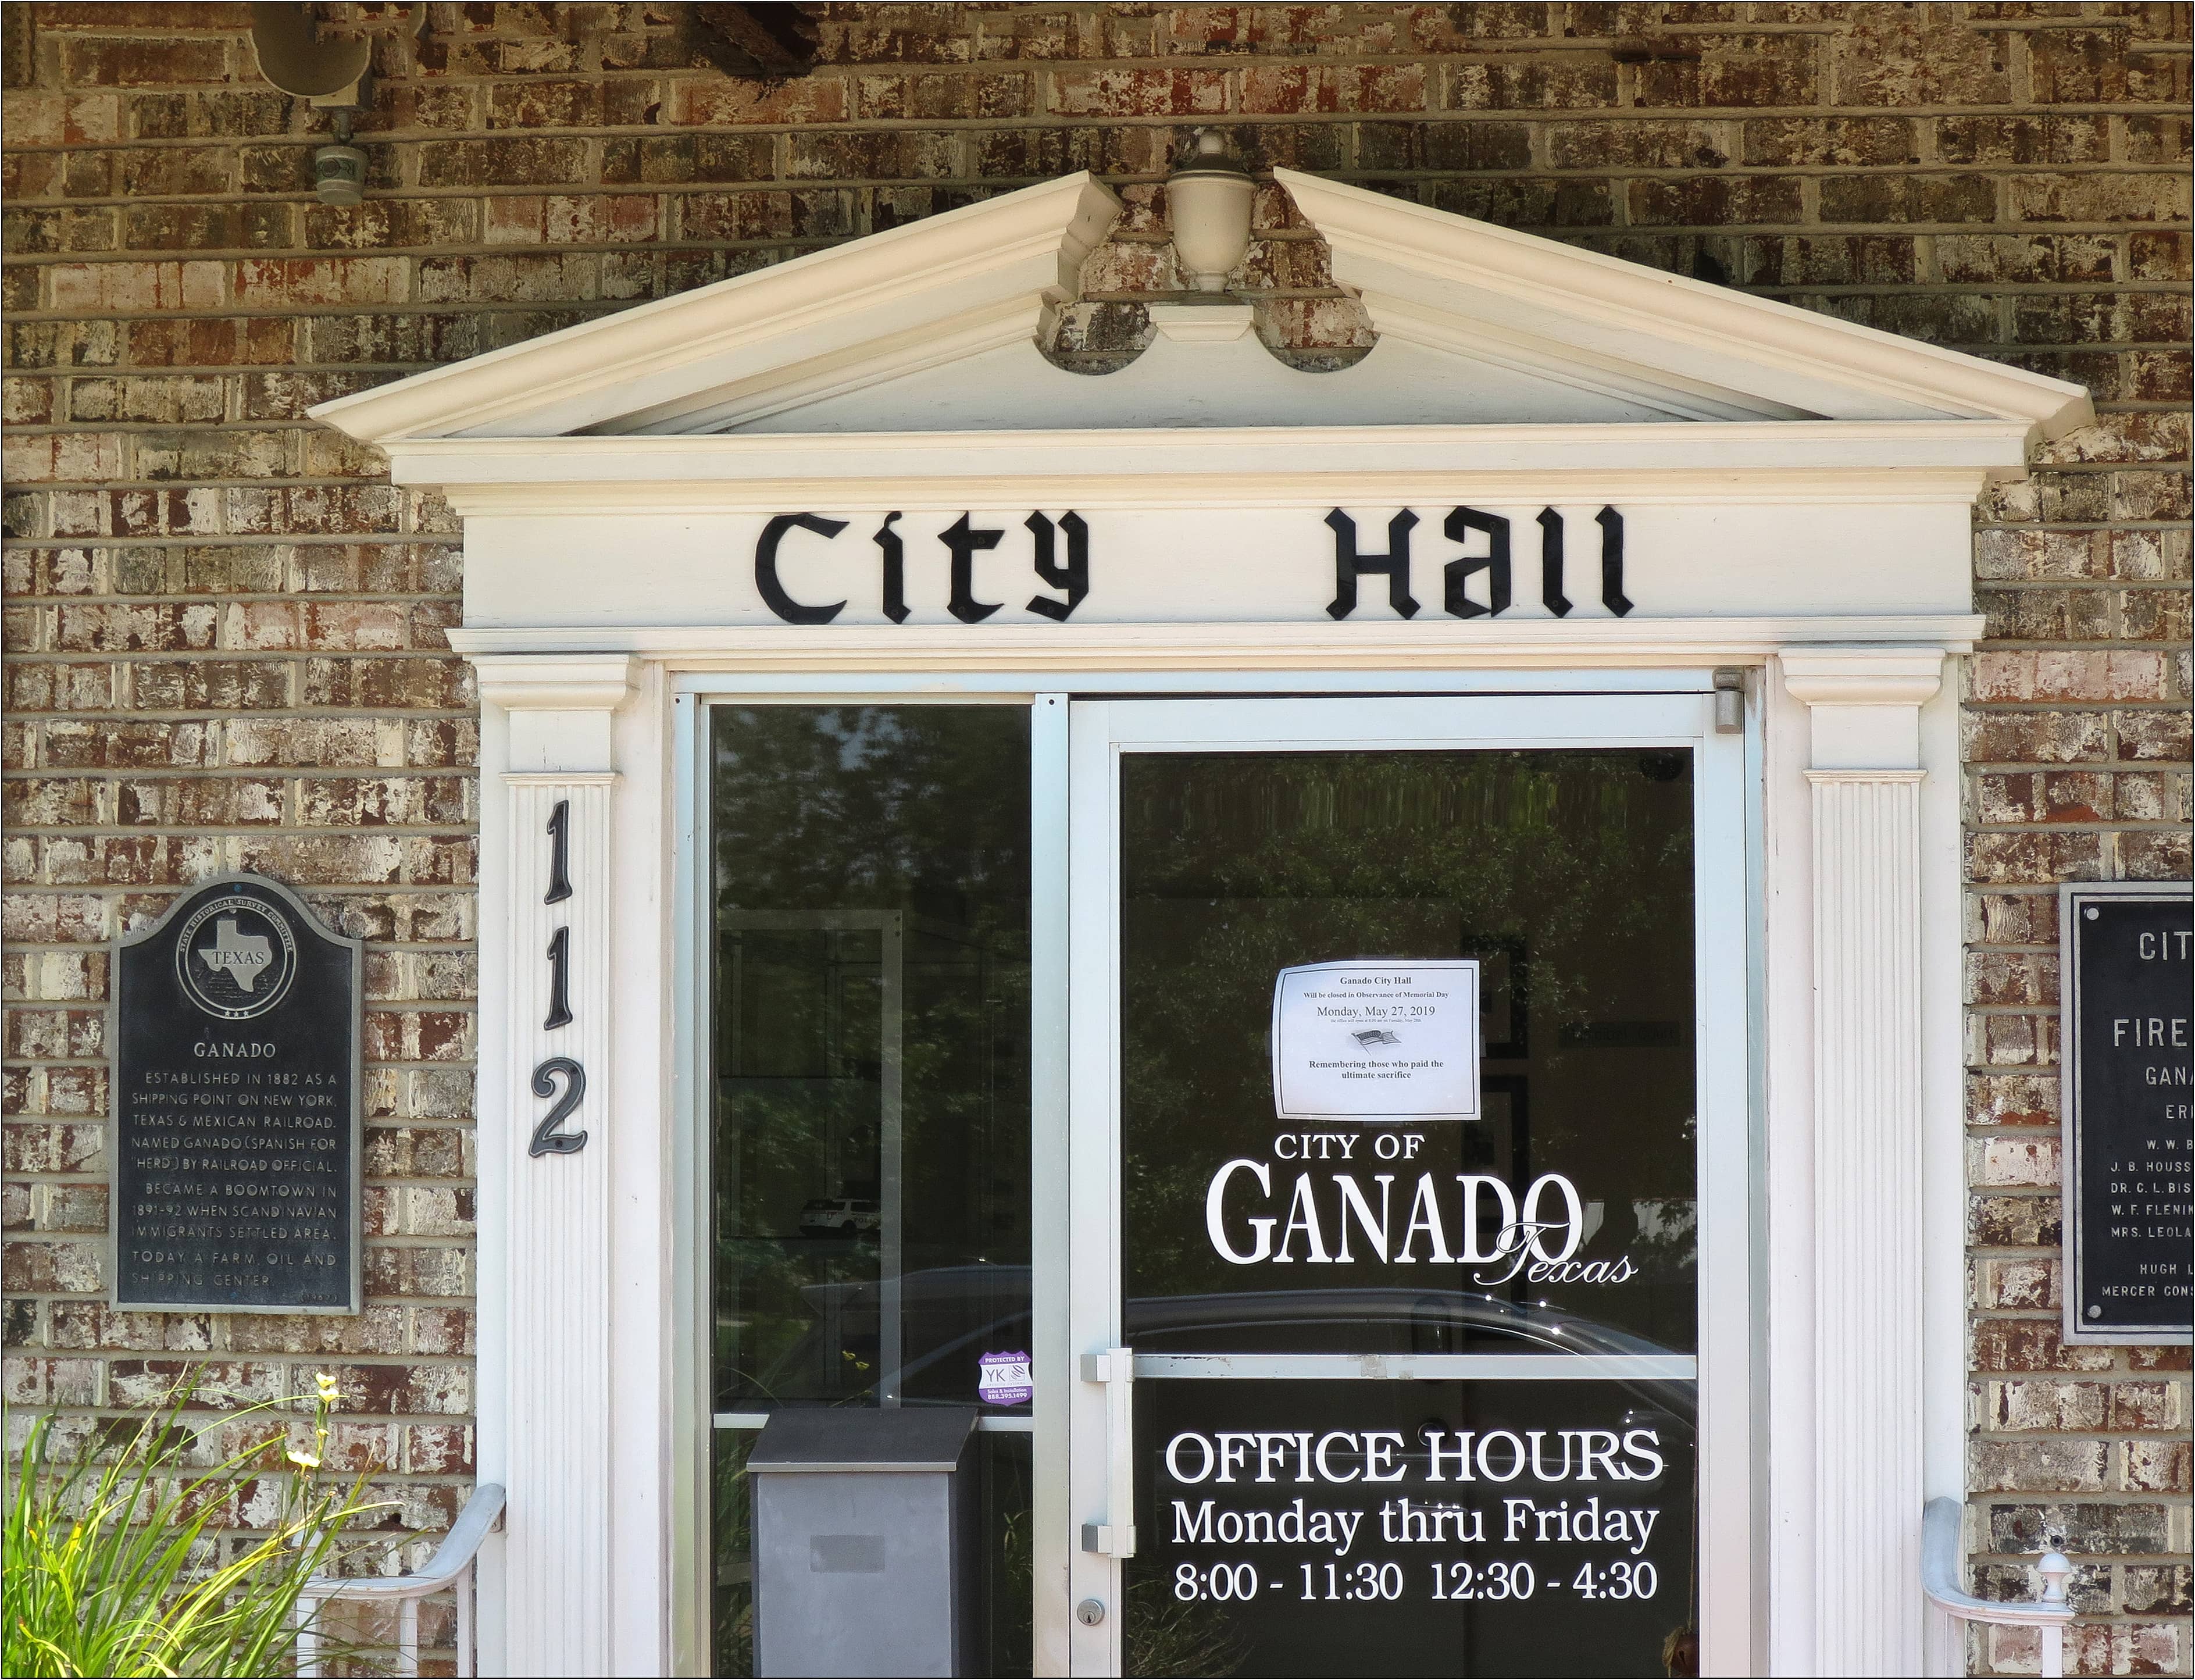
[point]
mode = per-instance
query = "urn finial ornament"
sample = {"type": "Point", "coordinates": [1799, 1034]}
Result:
{"type": "Point", "coordinates": [1208, 196]}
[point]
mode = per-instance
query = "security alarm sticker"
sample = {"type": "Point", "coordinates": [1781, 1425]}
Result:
{"type": "Point", "coordinates": [1003, 1379]}
{"type": "Point", "coordinates": [1380, 1039]}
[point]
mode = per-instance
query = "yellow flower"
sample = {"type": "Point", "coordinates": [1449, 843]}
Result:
{"type": "Point", "coordinates": [327, 1385]}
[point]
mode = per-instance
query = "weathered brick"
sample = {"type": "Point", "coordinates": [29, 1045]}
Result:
{"type": "Point", "coordinates": [2065, 1466]}
{"type": "Point", "coordinates": [2030, 1344]}
{"type": "Point", "coordinates": [1567, 81]}
{"type": "Point", "coordinates": [245, 662]}
{"type": "Point", "coordinates": [1139, 93]}
{"type": "Point", "coordinates": [1907, 196]}
{"type": "Point", "coordinates": [2092, 1526]}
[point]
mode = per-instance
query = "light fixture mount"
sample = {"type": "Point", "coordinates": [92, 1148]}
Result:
{"type": "Point", "coordinates": [1208, 198]}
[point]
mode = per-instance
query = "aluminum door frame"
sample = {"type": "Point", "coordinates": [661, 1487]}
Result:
{"type": "Point", "coordinates": [1099, 732]}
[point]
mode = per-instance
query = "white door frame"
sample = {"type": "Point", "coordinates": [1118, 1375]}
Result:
{"type": "Point", "coordinates": [1102, 732]}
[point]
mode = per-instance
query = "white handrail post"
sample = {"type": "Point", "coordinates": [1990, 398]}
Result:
{"type": "Point", "coordinates": [452, 1566]}
{"type": "Point", "coordinates": [464, 1663]}
{"type": "Point", "coordinates": [303, 1613]}
{"type": "Point", "coordinates": [2055, 1568]}
{"type": "Point", "coordinates": [1941, 1520]}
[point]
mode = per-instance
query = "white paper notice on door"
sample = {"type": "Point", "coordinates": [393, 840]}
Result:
{"type": "Point", "coordinates": [1380, 1039]}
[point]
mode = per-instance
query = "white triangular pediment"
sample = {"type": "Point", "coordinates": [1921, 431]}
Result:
{"type": "Point", "coordinates": [1199, 383]}
{"type": "Point", "coordinates": [935, 327]}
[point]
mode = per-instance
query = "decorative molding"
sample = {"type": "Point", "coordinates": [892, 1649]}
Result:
{"type": "Point", "coordinates": [1659, 321]}
{"type": "Point", "coordinates": [1431, 645]}
{"type": "Point", "coordinates": [1680, 398]}
{"type": "Point", "coordinates": [1202, 323]}
{"type": "Point", "coordinates": [1862, 676]}
{"type": "Point", "coordinates": [1868, 1284]}
{"type": "Point", "coordinates": [949, 288]}
{"type": "Point", "coordinates": [1008, 323]}
{"type": "Point", "coordinates": [1864, 703]}
{"type": "Point", "coordinates": [1782, 461]}
{"type": "Point", "coordinates": [560, 706]}
{"type": "Point", "coordinates": [580, 683]}
{"type": "Point", "coordinates": [775, 322]}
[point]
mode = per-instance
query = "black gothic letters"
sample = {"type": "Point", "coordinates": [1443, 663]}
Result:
{"type": "Point", "coordinates": [1349, 565]}
{"type": "Point", "coordinates": [1463, 525]}
{"type": "Point", "coordinates": [1551, 564]}
{"type": "Point", "coordinates": [963, 540]}
{"type": "Point", "coordinates": [1461, 521]}
{"type": "Point", "coordinates": [1611, 561]}
{"type": "Point", "coordinates": [964, 543]}
{"type": "Point", "coordinates": [773, 592]}
{"type": "Point", "coordinates": [895, 557]}
{"type": "Point", "coordinates": [1477, 577]}
{"type": "Point", "coordinates": [1074, 577]}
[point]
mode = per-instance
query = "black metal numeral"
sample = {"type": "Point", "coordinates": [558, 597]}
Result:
{"type": "Point", "coordinates": [547, 1139]}
{"type": "Point", "coordinates": [560, 882]}
{"type": "Point", "coordinates": [559, 1001]}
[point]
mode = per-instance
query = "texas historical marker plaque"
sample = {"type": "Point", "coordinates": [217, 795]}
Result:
{"type": "Point", "coordinates": [2124, 959]}
{"type": "Point", "coordinates": [236, 1106]}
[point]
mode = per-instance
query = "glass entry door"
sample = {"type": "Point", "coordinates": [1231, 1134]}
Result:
{"type": "Point", "coordinates": [1407, 1173]}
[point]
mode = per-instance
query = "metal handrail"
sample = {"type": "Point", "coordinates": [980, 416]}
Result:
{"type": "Point", "coordinates": [1940, 1580]}
{"type": "Point", "coordinates": [452, 1565]}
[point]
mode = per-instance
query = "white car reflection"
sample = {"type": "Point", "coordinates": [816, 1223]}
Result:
{"type": "Point", "coordinates": [950, 1316]}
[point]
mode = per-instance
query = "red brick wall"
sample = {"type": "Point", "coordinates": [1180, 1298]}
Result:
{"type": "Point", "coordinates": [224, 628]}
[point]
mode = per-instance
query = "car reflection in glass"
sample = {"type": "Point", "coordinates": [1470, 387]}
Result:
{"type": "Point", "coordinates": [839, 1216]}
{"type": "Point", "coordinates": [951, 1315]}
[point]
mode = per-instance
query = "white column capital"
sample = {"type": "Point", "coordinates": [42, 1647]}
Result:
{"type": "Point", "coordinates": [1865, 704]}
{"type": "Point", "coordinates": [560, 706]}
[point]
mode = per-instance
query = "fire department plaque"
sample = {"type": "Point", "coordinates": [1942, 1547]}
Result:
{"type": "Point", "coordinates": [236, 1107]}
{"type": "Point", "coordinates": [2125, 953]}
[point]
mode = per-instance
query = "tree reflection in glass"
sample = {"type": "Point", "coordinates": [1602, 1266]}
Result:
{"type": "Point", "coordinates": [1567, 874]}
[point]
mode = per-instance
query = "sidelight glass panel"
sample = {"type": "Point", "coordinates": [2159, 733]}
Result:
{"type": "Point", "coordinates": [871, 1043]}
{"type": "Point", "coordinates": [872, 1051]}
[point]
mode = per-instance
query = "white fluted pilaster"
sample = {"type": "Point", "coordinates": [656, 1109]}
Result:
{"type": "Point", "coordinates": [1867, 1132]}
{"type": "Point", "coordinates": [549, 1290]}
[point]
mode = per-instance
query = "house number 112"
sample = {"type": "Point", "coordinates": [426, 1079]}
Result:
{"type": "Point", "coordinates": [548, 1137]}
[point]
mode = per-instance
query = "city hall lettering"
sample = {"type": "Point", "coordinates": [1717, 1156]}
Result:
{"type": "Point", "coordinates": [1475, 580]}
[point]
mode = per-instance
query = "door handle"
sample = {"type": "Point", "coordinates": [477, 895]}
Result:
{"type": "Point", "coordinates": [1115, 1537]}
